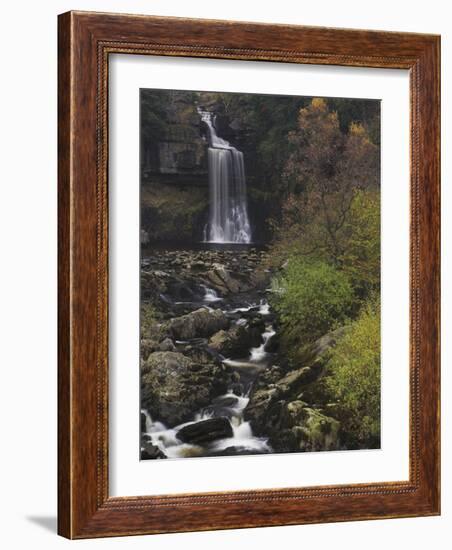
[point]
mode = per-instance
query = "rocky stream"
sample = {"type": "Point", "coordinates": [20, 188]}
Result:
{"type": "Point", "coordinates": [213, 379]}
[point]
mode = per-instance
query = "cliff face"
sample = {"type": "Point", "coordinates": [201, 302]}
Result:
{"type": "Point", "coordinates": [173, 212]}
{"type": "Point", "coordinates": [174, 178]}
{"type": "Point", "coordinates": [179, 148]}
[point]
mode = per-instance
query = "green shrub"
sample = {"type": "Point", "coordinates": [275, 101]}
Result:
{"type": "Point", "coordinates": [310, 299]}
{"type": "Point", "coordinates": [353, 380]}
{"type": "Point", "coordinates": [360, 259]}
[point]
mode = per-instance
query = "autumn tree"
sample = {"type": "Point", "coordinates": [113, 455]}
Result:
{"type": "Point", "coordinates": [324, 172]}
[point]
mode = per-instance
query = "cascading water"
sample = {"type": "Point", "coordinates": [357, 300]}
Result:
{"type": "Point", "coordinates": [259, 353]}
{"type": "Point", "coordinates": [242, 435]}
{"type": "Point", "coordinates": [228, 211]}
{"type": "Point", "coordinates": [231, 405]}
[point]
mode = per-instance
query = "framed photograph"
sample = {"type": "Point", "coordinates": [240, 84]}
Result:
{"type": "Point", "coordinates": [248, 275]}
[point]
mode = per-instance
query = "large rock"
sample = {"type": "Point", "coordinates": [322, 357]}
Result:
{"type": "Point", "coordinates": [263, 402]}
{"type": "Point", "coordinates": [316, 353]}
{"type": "Point", "coordinates": [224, 280]}
{"type": "Point", "coordinates": [311, 429]}
{"type": "Point", "coordinates": [149, 450]}
{"type": "Point", "coordinates": [201, 353]}
{"type": "Point", "coordinates": [293, 425]}
{"type": "Point", "coordinates": [290, 407]}
{"type": "Point", "coordinates": [293, 381]}
{"type": "Point", "coordinates": [167, 345]}
{"type": "Point", "coordinates": [198, 324]}
{"type": "Point", "coordinates": [205, 431]}
{"type": "Point", "coordinates": [237, 341]}
{"type": "Point", "coordinates": [173, 387]}
{"type": "Point", "coordinates": [148, 346]}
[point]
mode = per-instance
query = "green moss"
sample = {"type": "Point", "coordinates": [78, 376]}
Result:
{"type": "Point", "coordinates": [149, 319]}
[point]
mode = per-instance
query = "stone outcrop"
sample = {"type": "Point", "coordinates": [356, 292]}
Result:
{"type": "Point", "coordinates": [283, 405]}
{"type": "Point", "coordinates": [237, 341]}
{"type": "Point", "coordinates": [173, 387]}
{"type": "Point", "coordinates": [180, 149]}
{"type": "Point", "coordinates": [205, 431]}
{"type": "Point", "coordinates": [198, 324]}
{"type": "Point", "coordinates": [149, 450]}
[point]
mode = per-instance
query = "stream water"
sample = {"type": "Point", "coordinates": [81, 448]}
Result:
{"type": "Point", "coordinates": [231, 404]}
{"type": "Point", "coordinates": [228, 225]}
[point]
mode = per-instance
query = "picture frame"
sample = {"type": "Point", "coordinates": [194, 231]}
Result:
{"type": "Point", "coordinates": [85, 508]}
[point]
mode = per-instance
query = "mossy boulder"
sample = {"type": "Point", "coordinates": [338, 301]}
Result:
{"type": "Point", "coordinates": [312, 430]}
{"type": "Point", "coordinates": [288, 406]}
{"type": "Point", "coordinates": [198, 324]}
{"type": "Point", "coordinates": [237, 341]}
{"type": "Point", "coordinates": [173, 387]}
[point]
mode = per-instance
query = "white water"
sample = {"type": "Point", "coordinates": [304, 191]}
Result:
{"type": "Point", "coordinates": [242, 437]}
{"type": "Point", "coordinates": [259, 354]}
{"type": "Point", "coordinates": [242, 309]}
{"type": "Point", "coordinates": [264, 308]}
{"type": "Point", "coordinates": [228, 212]}
{"type": "Point", "coordinates": [166, 438]}
{"type": "Point", "coordinates": [210, 295]}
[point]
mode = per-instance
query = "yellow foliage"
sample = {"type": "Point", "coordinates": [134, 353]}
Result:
{"type": "Point", "coordinates": [319, 104]}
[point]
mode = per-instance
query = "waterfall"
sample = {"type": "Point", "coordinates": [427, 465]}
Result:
{"type": "Point", "coordinates": [228, 212]}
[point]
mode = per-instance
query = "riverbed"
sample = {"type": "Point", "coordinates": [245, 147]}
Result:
{"type": "Point", "coordinates": [232, 283]}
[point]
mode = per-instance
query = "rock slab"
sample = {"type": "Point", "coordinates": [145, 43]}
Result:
{"type": "Point", "coordinates": [205, 431]}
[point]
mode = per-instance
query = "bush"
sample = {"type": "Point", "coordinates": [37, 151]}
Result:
{"type": "Point", "coordinates": [310, 299]}
{"type": "Point", "coordinates": [353, 380]}
{"type": "Point", "coordinates": [360, 259]}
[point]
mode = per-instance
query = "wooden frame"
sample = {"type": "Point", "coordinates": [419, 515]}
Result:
{"type": "Point", "coordinates": [85, 42]}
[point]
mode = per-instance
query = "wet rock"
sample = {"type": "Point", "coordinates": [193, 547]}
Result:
{"type": "Point", "coordinates": [312, 430]}
{"type": "Point", "coordinates": [272, 345]}
{"type": "Point", "coordinates": [152, 333]}
{"type": "Point", "coordinates": [214, 280]}
{"type": "Point", "coordinates": [288, 406]}
{"type": "Point", "coordinates": [200, 353]}
{"type": "Point", "coordinates": [148, 346]}
{"type": "Point", "coordinates": [237, 341]}
{"type": "Point", "coordinates": [149, 451]}
{"type": "Point", "coordinates": [222, 278]}
{"type": "Point", "coordinates": [199, 323]}
{"type": "Point", "coordinates": [224, 405]}
{"type": "Point", "coordinates": [252, 313]}
{"type": "Point", "coordinates": [198, 265]}
{"type": "Point", "coordinates": [166, 345]}
{"type": "Point", "coordinates": [271, 387]}
{"type": "Point", "coordinates": [142, 422]}
{"type": "Point", "coordinates": [181, 291]}
{"type": "Point", "coordinates": [261, 407]}
{"type": "Point", "coordinates": [205, 431]}
{"type": "Point", "coordinates": [225, 401]}
{"type": "Point", "coordinates": [294, 426]}
{"type": "Point", "coordinates": [316, 353]}
{"type": "Point", "coordinates": [294, 380]}
{"type": "Point", "coordinates": [173, 387]}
